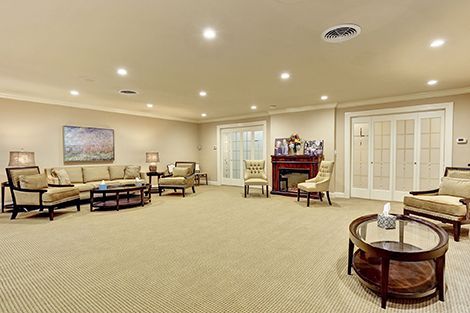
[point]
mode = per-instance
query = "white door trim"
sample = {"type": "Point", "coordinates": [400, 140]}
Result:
{"type": "Point", "coordinates": [448, 108]}
{"type": "Point", "coordinates": [219, 145]}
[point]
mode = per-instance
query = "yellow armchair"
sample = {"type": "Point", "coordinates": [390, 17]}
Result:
{"type": "Point", "coordinates": [320, 183]}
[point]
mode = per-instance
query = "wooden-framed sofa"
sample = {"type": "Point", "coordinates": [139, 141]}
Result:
{"type": "Point", "coordinates": [31, 191]}
{"type": "Point", "coordinates": [180, 177]}
{"type": "Point", "coordinates": [450, 203]}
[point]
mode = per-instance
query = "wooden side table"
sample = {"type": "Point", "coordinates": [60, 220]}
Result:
{"type": "Point", "coordinates": [197, 178]}
{"type": "Point", "coordinates": [154, 174]}
{"type": "Point", "coordinates": [8, 205]}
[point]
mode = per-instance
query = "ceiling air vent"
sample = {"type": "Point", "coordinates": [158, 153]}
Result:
{"type": "Point", "coordinates": [128, 92]}
{"type": "Point", "coordinates": [340, 33]}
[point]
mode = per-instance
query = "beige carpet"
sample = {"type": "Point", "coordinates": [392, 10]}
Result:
{"type": "Point", "coordinates": [210, 252]}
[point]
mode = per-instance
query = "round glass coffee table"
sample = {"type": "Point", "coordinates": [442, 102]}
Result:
{"type": "Point", "coordinates": [404, 262]}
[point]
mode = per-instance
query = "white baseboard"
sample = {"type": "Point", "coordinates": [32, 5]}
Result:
{"type": "Point", "coordinates": [338, 195]}
{"type": "Point", "coordinates": [213, 182]}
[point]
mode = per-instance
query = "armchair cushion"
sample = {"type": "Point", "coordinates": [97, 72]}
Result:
{"type": "Point", "coordinates": [95, 173]}
{"type": "Point", "coordinates": [455, 187]}
{"type": "Point", "coordinates": [17, 172]}
{"type": "Point", "coordinates": [254, 169]}
{"type": "Point", "coordinates": [256, 181]}
{"type": "Point", "coordinates": [458, 173]}
{"type": "Point", "coordinates": [132, 171]}
{"type": "Point", "coordinates": [442, 204]}
{"type": "Point", "coordinates": [181, 171]}
{"type": "Point", "coordinates": [36, 181]}
{"type": "Point", "coordinates": [60, 194]}
{"type": "Point", "coordinates": [62, 176]}
{"type": "Point", "coordinates": [173, 181]}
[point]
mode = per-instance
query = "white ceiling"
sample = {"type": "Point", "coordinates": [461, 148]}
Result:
{"type": "Point", "coordinates": [50, 47]}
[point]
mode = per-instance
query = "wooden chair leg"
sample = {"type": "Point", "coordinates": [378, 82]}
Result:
{"type": "Point", "coordinates": [308, 198]}
{"type": "Point", "coordinates": [298, 194]}
{"type": "Point", "coordinates": [262, 190]}
{"type": "Point", "coordinates": [14, 213]}
{"type": "Point", "coordinates": [51, 214]}
{"type": "Point", "coordinates": [320, 195]}
{"type": "Point", "coordinates": [457, 228]}
{"type": "Point", "coordinates": [328, 197]}
{"type": "Point", "coordinates": [244, 191]}
{"type": "Point", "coordinates": [78, 205]}
{"type": "Point", "coordinates": [183, 192]}
{"type": "Point", "coordinates": [247, 189]}
{"type": "Point", "coordinates": [267, 191]}
{"type": "Point", "coordinates": [194, 190]}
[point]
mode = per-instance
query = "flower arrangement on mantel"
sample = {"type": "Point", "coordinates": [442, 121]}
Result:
{"type": "Point", "coordinates": [295, 144]}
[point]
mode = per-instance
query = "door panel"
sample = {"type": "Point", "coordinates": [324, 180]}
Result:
{"type": "Point", "coordinates": [381, 160]}
{"type": "Point", "coordinates": [360, 159]}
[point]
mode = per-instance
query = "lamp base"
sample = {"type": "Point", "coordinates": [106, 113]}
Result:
{"type": "Point", "coordinates": [152, 168]}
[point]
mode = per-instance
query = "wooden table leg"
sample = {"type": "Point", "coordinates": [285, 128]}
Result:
{"type": "Point", "coordinates": [440, 266]}
{"type": "Point", "coordinates": [117, 201]}
{"type": "Point", "coordinates": [3, 198]}
{"type": "Point", "coordinates": [350, 256]}
{"type": "Point", "coordinates": [142, 197]}
{"type": "Point", "coordinates": [384, 281]}
{"type": "Point", "coordinates": [91, 200]}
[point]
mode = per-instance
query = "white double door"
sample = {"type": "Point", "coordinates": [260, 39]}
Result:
{"type": "Point", "coordinates": [238, 144]}
{"type": "Point", "coordinates": [394, 154]}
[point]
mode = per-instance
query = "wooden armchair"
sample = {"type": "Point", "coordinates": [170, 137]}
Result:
{"type": "Point", "coordinates": [450, 203]}
{"type": "Point", "coordinates": [30, 191]}
{"type": "Point", "coordinates": [181, 177]}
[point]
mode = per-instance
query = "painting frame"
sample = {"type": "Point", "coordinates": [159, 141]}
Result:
{"type": "Point", "coordinates": [314, 147]}
{"type": "Point", "coordinates": [82, 144]}
{"type": "Point", "coordinates": [283, 147]}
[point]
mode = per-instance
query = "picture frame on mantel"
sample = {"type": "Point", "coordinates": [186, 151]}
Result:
{"type": "Point", "coordinates": [88, 144]}
{"type": "Point", "coordinates": [281, 146]}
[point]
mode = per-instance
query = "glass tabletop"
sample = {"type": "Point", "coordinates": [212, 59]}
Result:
{"type": "Point", "coordinates": [407, 236]}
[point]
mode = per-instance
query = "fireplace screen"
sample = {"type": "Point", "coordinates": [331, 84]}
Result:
{"type": "Point", "coordinates": [289, 178]}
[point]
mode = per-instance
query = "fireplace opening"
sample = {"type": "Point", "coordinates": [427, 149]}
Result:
{"type": "Point", "coordinates": [290, 177]}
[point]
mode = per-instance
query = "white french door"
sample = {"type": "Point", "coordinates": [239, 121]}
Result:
{"type": "Point", "coordinates": [238, 144]}
{"type": "Point", "coordinates": [394, 154]}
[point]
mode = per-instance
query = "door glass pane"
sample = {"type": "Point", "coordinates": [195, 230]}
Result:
{"type": "Point", "coordinates": [235, 155]}
{"type": "Point", "coordinates": [360, 151]}
{"type": "Point", "coordinates": [226, 155]}
{"type": "Point", "coordinates": [258, 145]}
{"type": "Point", "coordinates": [381, 155]}
{"type": "Point", "coordinates": [404, 172]}
{"type": "Point", "coordinates": [430, 154]}
{"type": "Point", "coordinates": [247, 145]}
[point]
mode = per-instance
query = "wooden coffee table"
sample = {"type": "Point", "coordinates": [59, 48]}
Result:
{"type": "Point", "coordinates": [405, 262]}
{"type": "Point", "coordinates": [116, 197]}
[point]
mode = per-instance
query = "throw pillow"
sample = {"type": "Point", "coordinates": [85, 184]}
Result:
{"type": "Point", "coordinates": [62, 175]}
{"type": "Point", "coordinates": [132, 171]}
{"type": "Point", "coordinates": [37, 181]}
{"type": "Point", "coordinates": [455, 187]}
{"type": "Point", "coordinates": [180, 171]}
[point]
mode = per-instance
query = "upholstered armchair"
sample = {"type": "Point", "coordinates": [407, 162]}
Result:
{"type": "Point", "coordinates": [30, 191]}
{"type": "Point", "coordinates": [180, 178]}
{"type": "Point", "coordinates": [255, 175]}
{"type": "Point", "coordinates": [319, 184]}
{"type": "Point", "coordinates": [450, 203]}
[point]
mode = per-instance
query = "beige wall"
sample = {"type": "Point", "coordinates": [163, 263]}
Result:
{"type": "Point", "coordinates": [38, 127]}
{"type": "Point", "coordinates": [460, 153]}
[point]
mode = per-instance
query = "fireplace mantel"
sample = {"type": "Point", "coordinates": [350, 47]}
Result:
{"type": "Point", "coordinates": [304, 163]}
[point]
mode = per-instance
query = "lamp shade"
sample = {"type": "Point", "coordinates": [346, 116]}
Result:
{"type": "Point", "coordinates": [152, 157]}
{"type": "Point", "coordinates": [21, 158]}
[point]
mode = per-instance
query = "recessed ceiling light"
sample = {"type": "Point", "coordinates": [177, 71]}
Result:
{"type": "Point", "coordinates": [253, 107]}
{"type": "Point", "coordinates": [203, 93]}
{"type": "Point", "coordinates": [203, 114]}
{"type": "Point", "coordinates": [74, 92]}
{"type": "Point", "coordinates": [122, 71]}
{"type": "Point", "coordinates": [149, 105]}
{"type": "Point", "coordinates": [432, 82]}
{"type": "Point", "coordinates": [325, 97]}
{"type": "Point", "coordinates": [209, 33]}
{"type": "Point", "coordinates": [437, 43]}
{"type": "Point", "coordinates": [285, 76]}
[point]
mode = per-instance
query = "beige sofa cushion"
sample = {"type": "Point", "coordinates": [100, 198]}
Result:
{"type": "Point", "coordinates": [95, 173]}
{"type": "Point", "coordinates": [84, 187]}
{"type": "Point", "coordinates": [458, 174]}
{"type": "Point", "coordinates": [181, 171]}
{"type": "Point", "coordinates": [37, 181]}
{"type": "Point", "coordinates": [132, 171]}
{"type": "Point", "coordinates": [440, 204]}
{"type": "Point", "coordinates": [62, 176]}
{"type": "Point", "coordinates": [455, 187]}
{"type": "Point", "coordinates": [116, 171]}
{"type": "Point", "coordinates": [75, 174]}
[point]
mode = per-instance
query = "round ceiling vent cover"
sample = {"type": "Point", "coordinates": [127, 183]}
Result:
{"type": "Point", "coordinates": [340, 33]}
{"type": "Point", "coordinates": [127, 92]}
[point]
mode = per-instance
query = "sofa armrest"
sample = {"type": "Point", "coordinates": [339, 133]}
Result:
{"type": "Point", "coordinates": [417, 193]}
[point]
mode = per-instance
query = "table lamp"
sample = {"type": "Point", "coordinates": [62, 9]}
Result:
{"type": "Point", "coordinates": [21, 158]}
{"type": "Point", "coordinates": [153, 158]}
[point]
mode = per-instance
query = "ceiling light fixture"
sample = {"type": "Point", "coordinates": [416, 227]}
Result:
{"type": "Point", "coordinates": [209, 33]}
{"type": "Point", "coordinates": [121, 72]}
{"type": "Point", "coordinates": [432, 82]}
{"type": "Point", "coordinates": [74, 92]}
{"type": "Point", "coordinates": [203, 114]}
{"type": "Point", "coordinates": [325, 97]}
{"type": "Point", "coordinates": [437, 43]}
{"type": "Point", "coordinates": [285, 76]}
{"type": "Point", "coordinates": [149, 105]}
{"type": "Point", "coordinates": [253, 107]}
{"type": "Point", "coordinates": [203, 93]}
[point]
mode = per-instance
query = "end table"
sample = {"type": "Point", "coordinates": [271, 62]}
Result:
{"type": "Point", "coordinates": [8, 205]}
{"type": "Point", "coordinates": [154, 174]}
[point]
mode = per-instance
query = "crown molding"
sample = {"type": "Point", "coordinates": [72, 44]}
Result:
{"type": "Point", "coordinates": [304, 108]}
{"type": "Point", "coordinates": [409, 97]}
{"type": "Point", "coordinates": [93, 107]}
{"type": "Point", "coordinates": [233, 118]}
